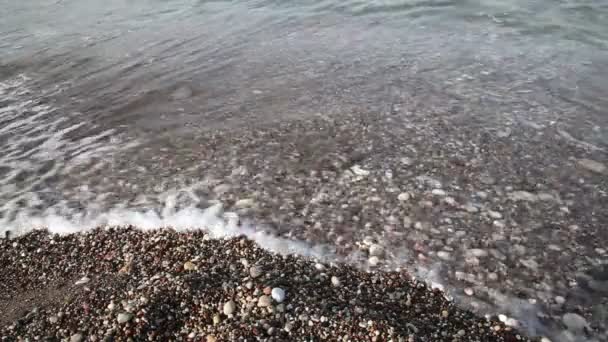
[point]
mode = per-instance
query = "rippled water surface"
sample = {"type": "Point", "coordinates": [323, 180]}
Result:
{"type": "Point", "coordinates": [315, 120]}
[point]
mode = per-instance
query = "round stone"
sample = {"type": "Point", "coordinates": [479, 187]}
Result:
{"type": "Point", "coordinates": [264, 301]}
{"type": "Point", "coordinates": [124, 317]}
{"type": "Point", "coordinates": [443, 255]}
{"type": "Point", "coordinates": [373, 261]}
{"type": "Point", "coordinates": [574, 322]}
{"type": "Point", "coordinates": [255, 271]}
{"type": "Point", "coordinates": [229, 307]}
{"type": "Point", "coordinates": [76, 338]}
{"type": "Point", "coordinates": [278, 294]}
{"type": "Point", "coordinates": [335, 281]}
{"type": "Point", "coordinates": [376, 250]}
{"type": "Point", "coordinates": [403, 197]}
{"type": "Point", "coordinates": [189, 266]}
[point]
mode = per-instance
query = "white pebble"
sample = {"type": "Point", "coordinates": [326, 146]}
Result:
{"type": "Point", "coordinates": [403, 197]}
{"type": "Point", "coordinates": [373, 261]}
{"type": "Point", "coordinates": [83, 280]}
{"type": "Point", "coordinates": [124, 317]}
{"type": "Point", "coordinates": [335, 281]}
{"type": "Point", "coordinates": [438, 192]}
{"type": "Point", "coordinates": [229, 308]}
{"type": "Point", "coordinates": [376, 250]}
{"type": "Point", "coordinates": [278, 294]}
{"type": "Point", "coordinates": [443, 255]}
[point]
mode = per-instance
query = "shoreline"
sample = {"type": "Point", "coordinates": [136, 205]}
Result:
{"type": "Point", "coordinates": [116, 284]}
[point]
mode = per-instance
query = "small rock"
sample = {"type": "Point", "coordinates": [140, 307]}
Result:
{"type": "Point", "coordinates": [189, 266]}
{"type": "Point", "coordinates": [53, 319]}
{"type": "Point", "coordinates": [592, 165]}
{"type": "Point", "coordinates": [229, 307]}
{"type": "Point", "coordinates": [319, 267]}
{"type": "Point", "coordinates": [438, 192]}
{"type": "Point", "coordinates": [267, 290]}
{"type": "Point", "coordinates": [560, 300]}
{"type": "Point", "coordinates": [523, 196]}
{"type": "Point", "coordinates": [124, 317]}
{"type": "Point", "coordinates": [443, 255]}
{"type": "Point", "coordinates": [376, 250]}
{"type": "Point", "coordinates": [404, 197]}
{"type": "Point", "coordinates": [470, 208]}
{"type": "Point", "coordinates": [83, 280]}
{"type": "Point", "coordinates": [505, 133]}
{"type": "Point", "coordinates": [264, 301]}
{"type": "Point", "coordinates": [477, 252]}
{"type": "Point", "coordinates": [461, 332]}
{"type": "Point", "coordinates": [288, 327]}
{"type": "Point", "coordinates": [487, 180]}
{"type": "Point", "coordinates": [494, 214]}
{"type": "Point", "coordinates": [357, 170]}
{"type": "Point", "coordinates": [529, 263]}
{"type": "Point", "coordinates": [406, 161]}
{"type": "Point", "coordinates": [255, 271]}
{"type": "Point", "coordinates": [445, 313]}
{"type": "Point", "coordinates": [335, 281]}
{"type": "Point", "coordinates": [468, 291]}
{"type": "Point", "coordinates": [211, 338]}
{"type": "Point", "coordinates": [244, 203]}
{"type": "Point", "coordinates": [278, 294]}
{"type": "Point", "coordinates": [373, 261]}
{"type": "Point", "coordinates": [574, 322]}
{"type": "Point", "coordinates": [76, 338]}
{"type": "Point", "coordinates": [216, 319]}
{"type": "Point", "coordinates": [407, 222]}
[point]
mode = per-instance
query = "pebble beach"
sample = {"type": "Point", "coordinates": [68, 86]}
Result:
{"type": "Point", "coordinates": [129, 285]}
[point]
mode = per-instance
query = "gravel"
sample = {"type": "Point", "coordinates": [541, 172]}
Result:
{"type": "Point", "coordinates": [157, 300]}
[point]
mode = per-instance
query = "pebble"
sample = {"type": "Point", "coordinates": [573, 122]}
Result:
{"type": "Point", "coordinates": [494, 214]}
{"type": "Point", "coordinates": [229, 307]}
{"type": "Point", "coordinates": [335, 281]}
{"type": "Point", "coordinates": [255, 271]}
{"type": "Point", "coordinates": [278, 294]}
{"type": "Point", "coordinates": [373, 261]}
{"type": "Point", "coordinates": [592, 165]}
{"type": "Point", "coordinates": [53, 319]}
{"type": "Point", "coordinates": [574, 322]}
{"type": "Point", "coordinates": [211, 338]}
{"type": "Point", "coordinates": [376, 250]}
{"type": "Point", "coordinates": [244, 203]}
{"type": "Point", "coordinates": [407, 222]}
{"type": "Point", "coordinates": [189, 266]}
{"type": "Point", "coordinates": [288, 327]}
{"type": "Point", "coordinates": [470, 208]}
{"type": "Point", "coordinates": [216, 319]}
{"type": "Point", "coordinates": [76, 338]}
{"type": "Point", "coordinates": [560, 300]}
{"type": "Point", "coordinates": [523, 196]}
{"type": "Point", "coordinates": [83, 280]}
{"type": "Point", "coordinates": [529, 263]}
{"type": "Point", "coordinates": [264, 301]}
{"type": "Point", "coordinates": [468, 291]}
{"type": "Point", "coordinates": [357, 170]}
{"type": "Point", "coordinates": [443, 255]}
{"type": "Point", "coordinates": [477, 252]}
{"type": "Point", "coordinates": [404, 197]}
{"type": "Point", "coordinates": [124, 317]}
{"type": "Point", "coordinates": [438, 192]}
